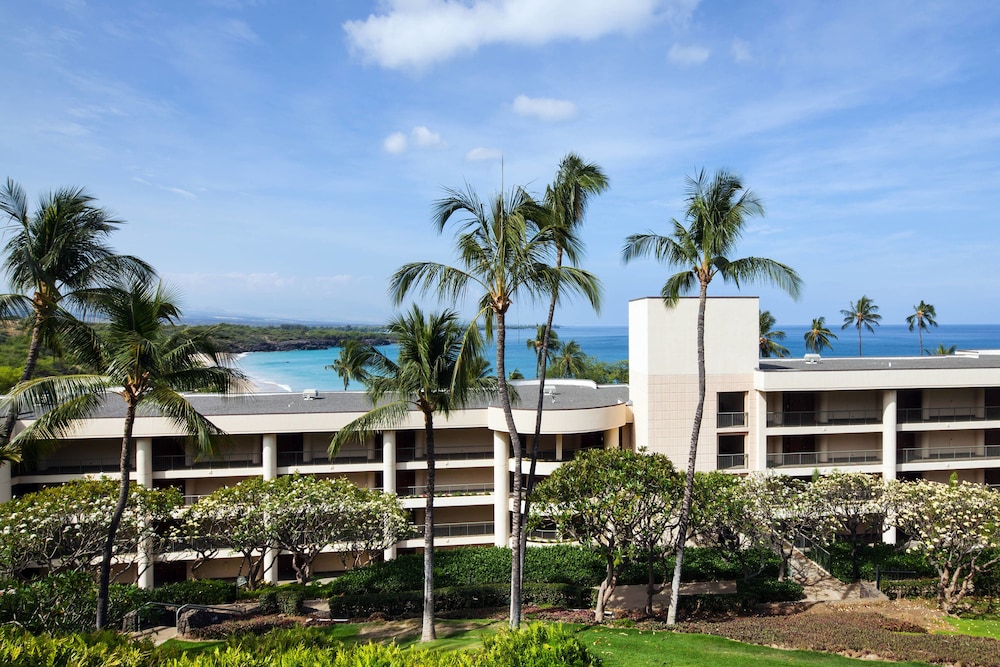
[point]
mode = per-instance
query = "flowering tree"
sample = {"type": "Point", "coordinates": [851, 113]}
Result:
{"type": "Point", "coordinates": [616, 502]}
{"type": "Point", "coordinates": [856, 503]}
{"type": "Point", "coordinates": [65, 527]}
{"type": "Point", "coordinates": [957, 528]}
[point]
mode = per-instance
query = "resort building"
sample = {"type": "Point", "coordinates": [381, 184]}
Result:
{"type": "Point", "coordinates": [903, 417]}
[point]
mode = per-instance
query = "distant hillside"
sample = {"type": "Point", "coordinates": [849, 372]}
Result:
{"type": "Point", "coordinates": [243, 338]}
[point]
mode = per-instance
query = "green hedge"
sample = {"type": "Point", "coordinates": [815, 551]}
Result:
{"type": "Point", "coordinates": [706, 564]}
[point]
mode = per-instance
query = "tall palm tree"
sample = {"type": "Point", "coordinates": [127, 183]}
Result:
{"type": "Point", "coordinates": [862, 313]}
{"type": "Point", "coordinates": [503, 254]}
{"type": "Point", "coordinates": [570, 360]}
{"type": "Point", "coordinates": [769, 345]}
{"type": "Point", "coordinates": [566, 201]}
{"type": "Point", "coordinates": [352, 362]}
{"type": "Point", "coordinates": [544, 351]}
{"type": "Point", "coordinates": [144, 364]}
{"type": "Point", "coordinates": [942, 350]}
{"type": "Point", "coordinates": [56, 254]}
{"type": "Point", "coordinates": [717, 211]}
{"type": "Point", "coordinates": [439, 369]}
{"type": "Point", "coordinates": [818, 336]}
{"type": "Point", "coordinates": [922, 317]}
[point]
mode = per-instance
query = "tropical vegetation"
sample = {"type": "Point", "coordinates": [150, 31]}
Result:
{"type": "Point", "coordinates": [770, 337]}
{"type": "Point", "coordinates": [717, 211]}
{"type": "Point", "coordinates": [818, 337]}
{"type": "Point", "coordinates": [861, 313]}
{"type": "Point", "coordinates": [921, 319]}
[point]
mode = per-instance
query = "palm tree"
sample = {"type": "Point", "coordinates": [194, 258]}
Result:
{"type": "Point", "coordinates": [922, 317]}
{"type": "Point", "coordinates": [570, 360]}
{"type": "Point", "coordinates": [818, 336]}
{"type": "Point", "coordinates": [352, 362]}
{"type": "Point", "coordinates": [862, 313]}
{"type": "Point", "coordinates": [942, 350]}
{"type": "Point", "coordinates": [717, 211]}
{"type": "Point", "coordinates": [769, 347]}
{"type": "Point", "coordinates": [503, 254]}
{"type": "Point", "coordinates": [147, 366]}
{"type": "Point", "coordinates": [539, 345]}
{"type": "Point", "coordinates": [55, 256]}
{"type": "Point", "coordinates": [439, 369]}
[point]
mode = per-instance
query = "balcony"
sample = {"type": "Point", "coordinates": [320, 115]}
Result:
{"type": "Point", "coordinates": [728, 461]}
{"type": "Point", "coordinates": [457, 529]}
{"type": "Point", "coordinates": [289, 459]}
{"type": "Point", "coordinates": [833, 458]}
{"type": "Point", "coordinates": [949, 414]}
{"type": "Point", "coordinates": [183, 462]}
{"type": "Point", "coordinates": [77, 467]}
{"type": "Point", "coordinates": [730, 419]}
{"type": "Point", "coordinates": [445, 490]}
{"type": "Point", "coordinates": [824, 418]}
{"type": "Point", "coordinates": [911, 454]}
{"type": "Point", "coordinates": [443, 454]}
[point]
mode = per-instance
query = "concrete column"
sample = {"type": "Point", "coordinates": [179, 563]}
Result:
{"type": "Point", "coordinates": [889, 448]}
{"type": "Point", "coordinates": [501, 489]}
{"type": "Point", "coordinates": [144, 563]}
{"type": "Point", "coordinates": [269, 465]}
{"type": "Point", "coordinates": [144, 462]}
{"type": "Point", "coordinates": [612, 439]}
{"type": "Point", "coordinates": [756, 454]}
{"type": "Point", "coordinates": [559, 446]}
{"type": "Point", "coordinates": [6, 488]}
{"type": "Point", "coordinates": [389, 476]}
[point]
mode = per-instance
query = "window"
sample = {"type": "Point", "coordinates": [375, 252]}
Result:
{"type": "Point", "coordinates": [732, 409]}
{"type": "Point", "coordinates": [732, 451]}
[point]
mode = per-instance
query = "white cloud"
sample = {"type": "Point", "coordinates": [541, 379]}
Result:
{"type": "Point", "coordinates": [482, 154]}
{"type": "Point", "coordinates": [418, 33]}
{"type": "Point", "coordinates": [740, 50]}
{"type": "Point", "coordinates": [424, 138]}
{"type": "Point", "coordinates": [544, 108]}
{"type": "Point", "coordinates": [395, 143]}
{"type": "Point", "coordinates": [688, 55]}
{"type": "Point", "coordinates": [421, 136]}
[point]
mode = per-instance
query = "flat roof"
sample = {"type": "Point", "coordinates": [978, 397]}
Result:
{"type": "Point", "coordinates": [963, 359]}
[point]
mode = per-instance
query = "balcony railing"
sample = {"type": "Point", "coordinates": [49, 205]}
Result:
{"type": "Point", "coordinates": [183, 462]}
{"type": "Point", "coordinates": [824, 418]}
{"type": "Point", "coordinates": [837, 457]}
{"type": "Point", "coordinates": [288, 459]}
{"type": "Point", "coordinates": [77, 467]}
{"type": "Point", "coordinates": [457, 529]}
{"type": "Point", "coordinates": [948, 414]}
{"type": "Point", "coordinates": [951, 453]}
{"type": "Point", "coordinates": [730, 419]}
{"type": "Point", "coordinates": [445, 490]}
{"type": "Point", "coordinates": [443, 454]}
{"type": "Point", "coordinates": [726, 461]}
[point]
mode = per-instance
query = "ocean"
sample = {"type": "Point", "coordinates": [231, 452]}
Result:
{"type": "Point", "coordinates": [304, 369]}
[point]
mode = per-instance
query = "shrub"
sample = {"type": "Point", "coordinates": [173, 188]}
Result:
{"type": "Point", "coordinates": [561, 564]}
{"type": "Point", "coordinates": [58, 603]}
{"type": "Point", "coordinates": [402, 603]}
{"type": "Point", "coordinates": [290, 601]}
{"type": "Point", "coordinates": [19, 648]}
{"type": "Point", "coordinates": [535, 645]}
{"type": "Point", "coordinates": [769, 590]}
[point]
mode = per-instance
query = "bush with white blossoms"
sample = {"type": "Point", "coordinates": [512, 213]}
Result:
{"type": "Point", "coordinates": [65, 527]}
{"type": "Point", "coordinates": [956, 526]}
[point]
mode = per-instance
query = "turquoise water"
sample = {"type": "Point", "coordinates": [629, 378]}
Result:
{"type": "Point", "coordinates": [303, 369]}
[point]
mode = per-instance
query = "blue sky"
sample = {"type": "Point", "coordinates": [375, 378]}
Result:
{"type": "Point", "coordinates": [281, 159]}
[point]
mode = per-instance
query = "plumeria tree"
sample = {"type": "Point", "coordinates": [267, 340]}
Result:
{"type": "Point", "coordinates": [65, 527]}
{"type": "Point", "coordinates": [956, 526]}
{"type": "Point", "coordinates": [616, 502]}
{"type": "Point", "coordinates": [856, 503]}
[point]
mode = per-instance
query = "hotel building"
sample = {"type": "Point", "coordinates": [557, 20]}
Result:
{"type": "Point", "coordinates": [900, 417]}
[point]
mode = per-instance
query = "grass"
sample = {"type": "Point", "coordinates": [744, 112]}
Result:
{"type": "Point", "coordinates": [644, 648]}
{"type": "Point", "coordinates": [975, 628]}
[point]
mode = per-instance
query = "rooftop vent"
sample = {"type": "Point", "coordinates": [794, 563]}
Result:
{"type": "Point", "coordinates": [811, 358]}
{"type": "Point", "coordinates": [310, 394]}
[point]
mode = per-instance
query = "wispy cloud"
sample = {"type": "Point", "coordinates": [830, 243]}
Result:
{"type": "Point", "coordinates": [418, 33]}
{"type": "Point", "coordinates": [420, 137]}
{"type": "Point", "coordinates": [482, 154]}
{"type": "Point", "coordinates": [740, 49]}
{"type": "Point", "coordinates": [544, 108]}
{"type": "Point", "coordinates": [688, 55]}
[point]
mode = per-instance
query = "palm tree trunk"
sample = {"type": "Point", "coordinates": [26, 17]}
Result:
{"type": "Point", "coordinates": [427, 632]}
{"type": "Point", "coordinates": [515, 442]}
{"type": "Point", "coordinates": [859, 340]}
{"type": "Point", "coordinates": [685, 517]}
{"type": "Point", "coordinates": [34, 350]}
{"type": "Point", "coordinates": [125, 465]}
{"type": "Point", "coordinates": [543, 367]}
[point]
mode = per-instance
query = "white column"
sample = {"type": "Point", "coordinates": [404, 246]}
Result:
{"type": "Point", "coordinates": [611, 439]}
{"type": "Point", "coordinates": [501, 489]}
{"type": "Point", "coordinates": [757, 445]}
{"type": "Point", "coordinates": [889, 448]}
{"type": "Point", "coordinates": [144, 477]}
{"type": "Point", "coordinates": [269, 465]}
{"type": "Point", "coordinates": [559, 446]}
{"type": "Point", "coordinates": [144, 462]}
{"type": "Point", "coordinates": [389, 475]}
{"type": "Point", "coordinates": [6, 488]}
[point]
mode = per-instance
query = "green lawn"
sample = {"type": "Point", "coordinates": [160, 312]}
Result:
{"type": "Point", "coordinates": [964, 626]}
{"type": "Point", "coordinates": [638, 648]}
